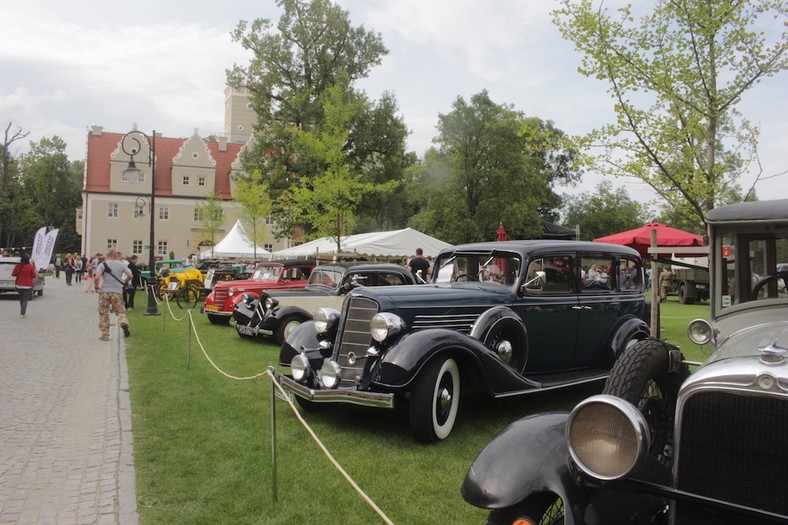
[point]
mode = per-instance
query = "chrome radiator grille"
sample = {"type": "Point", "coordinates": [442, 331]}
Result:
{"type": "Point", "coordinates": [220, 296]}
{"type": "Point", "coordinates": [732, 447]}
{"type": "Point", "coordinates": [354, 339]}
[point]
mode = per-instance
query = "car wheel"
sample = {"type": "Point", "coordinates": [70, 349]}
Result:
{"type": "Point", "coordinates": [286, 325]}
{"type": "Point", "coordinates": [545, 510]}
{"type": "Point", "coordinates": [641, 376]}
{"type": "Point", "coordinates": [506, 338]}
{"type": "Point", "coordinates": [434, 400]}
{"type": "Point", "coordinates": [218, 319]}
{"type": "Point", "coordinates": [188, 297]}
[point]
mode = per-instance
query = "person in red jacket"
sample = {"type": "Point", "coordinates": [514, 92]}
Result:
{"type": "Point", "coordinates": [25, 273]}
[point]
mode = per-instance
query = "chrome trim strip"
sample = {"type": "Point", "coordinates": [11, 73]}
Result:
{"type": "Point", "coordinates": [352, 397]}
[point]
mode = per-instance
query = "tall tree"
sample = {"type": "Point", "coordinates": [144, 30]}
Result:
{"type": "Point", "coordinates": [492, 165]}
{"type": "Point", "coordinates": [312, 49]}
{"type": "Point", "coordinates": [604, 211]}
{"type": "Point", "coordinates": [676, 77]}
{"type": "Point", "coordinates": [9, 185]}
{"type": "Point", "coordinates": [252, 193]}
{"type": "Point", "coordinates": [211, 217]}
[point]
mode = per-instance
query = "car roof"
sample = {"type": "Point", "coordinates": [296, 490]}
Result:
{"type": "Point", "coordinates": [750, 211]}
{"type": "Point", "coordinates": [288, 262]}
{"type": "Point", "coordinates": [362, 265]}
{"type": "Point", "coordinates": [540, 245]}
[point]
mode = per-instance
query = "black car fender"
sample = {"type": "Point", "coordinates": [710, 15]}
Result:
{"type": "Point", "coordinates": [530, 458]}
{"type": "Point", "coordinates": [273, 318]}
{"type": "Point", "coordinates": [303, 338]}
{"type": "Point", "coordinates": [625, 329]}
{"type": "Point", "coordinates": [401, 363]}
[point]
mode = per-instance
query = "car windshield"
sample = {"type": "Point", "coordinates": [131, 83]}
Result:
{"type": "Point", "coordinates": [326, 277]}
{"type": "Point", "coordinates": [499, 268]}
{"type": "Point", "coordinates": [751, 258]}
{"type": "Point", "coordinates": [267, 273]}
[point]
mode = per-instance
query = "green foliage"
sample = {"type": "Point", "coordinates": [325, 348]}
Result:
{"type": "Point", "coordinates": [252, 193]}
{"type": "Point", "coordinates": [313, 50]}
{"type": "Point", "coordinates": [493, 165]}
{"type": "Point", "coordinates": [675, 77]}
{"type": "Point", "coordinates": [211, 217]}
{"type": "Point", "coordinates": [603, 212]}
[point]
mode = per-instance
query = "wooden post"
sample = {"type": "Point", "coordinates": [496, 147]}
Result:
{"type": "Point", "coordinates": [654, 292]}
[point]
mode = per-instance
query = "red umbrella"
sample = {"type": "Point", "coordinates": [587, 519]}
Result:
{"type": "Point", "coordinates": [501, 235]}
{"type": "Point", "coordinates": [640, 238]}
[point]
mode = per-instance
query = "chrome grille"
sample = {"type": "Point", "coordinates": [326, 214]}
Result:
{"type": "Point", "coordinates": [220, 296]}
{"type": "Point", "coordinates": [354, 339]}
{"type": "Point", "coordinates": [732, 447]}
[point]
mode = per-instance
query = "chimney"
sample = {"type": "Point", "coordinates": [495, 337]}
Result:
{"type": "Point", "coordinates": [96, 130]}
{"type": "Point", "coordinates": [222, 141]}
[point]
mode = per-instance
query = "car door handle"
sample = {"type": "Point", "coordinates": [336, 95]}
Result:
{"type": "Point", "coordinates": [581, 308]}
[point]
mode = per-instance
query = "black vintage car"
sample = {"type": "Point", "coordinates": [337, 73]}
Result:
{"type": "Point", "coordinates": [509, 317]}
{"type": "Point", "coordinates": [659, 445]}
{"type": "Point", "coordinates": [278, 312]}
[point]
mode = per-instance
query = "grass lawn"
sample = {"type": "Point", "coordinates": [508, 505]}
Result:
{"type": "Point", "coordinates": [202, 441]}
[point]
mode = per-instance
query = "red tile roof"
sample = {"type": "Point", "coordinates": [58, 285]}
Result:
{"type": "Point", "coordinates": [101, 147]}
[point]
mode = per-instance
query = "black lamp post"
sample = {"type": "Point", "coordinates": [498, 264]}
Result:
{"type": "Point", "coordinates": [131, 144]}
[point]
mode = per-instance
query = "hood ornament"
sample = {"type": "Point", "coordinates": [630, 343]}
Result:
{"type": "Point", "coordinates": [773, 354]}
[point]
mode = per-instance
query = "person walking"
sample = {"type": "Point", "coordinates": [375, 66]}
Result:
{"type": "Point", "coordinates": [69, 268]}
{"type": "Point", "coordinates": [131, 286]}
{"type": "Point", "coordinates": [108, 281]}
{"type": "Point", "coordinates": [25, 274]}
{"type": "Point", "coordinates": [58, 263]}
{"type": "Point", "coordinates": [665, 283]}
{"type": "Point", "coordinates": [419, 267]}
{"type": "Point", "coordinates": [78, 269]}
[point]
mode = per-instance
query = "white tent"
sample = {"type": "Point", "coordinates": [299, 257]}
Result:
{"type": "Point", "coordinates": [391, 243]}
{"type": "Point", "coordinates": [234, 244]}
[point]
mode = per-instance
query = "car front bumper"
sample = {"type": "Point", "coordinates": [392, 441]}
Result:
{"type": "Point", "coordinates": [352, 397]}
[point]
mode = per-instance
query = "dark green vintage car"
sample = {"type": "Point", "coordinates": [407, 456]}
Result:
{"type": "Point", "coordinates": [508, 317]}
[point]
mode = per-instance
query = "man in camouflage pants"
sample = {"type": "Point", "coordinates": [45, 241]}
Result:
{"type": "Point", "coordinates": [109, 278]}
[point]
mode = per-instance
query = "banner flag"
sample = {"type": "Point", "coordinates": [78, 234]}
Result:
{"type": "Point", "coordinates": [49, 248]}
{"type": "Point", "coordinates": [43, 247]}
{"type": "Point", "coordinates": [38, 245]}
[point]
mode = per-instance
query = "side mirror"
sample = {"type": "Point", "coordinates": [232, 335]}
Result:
{"type": "Point", "coordinates": [537, 280]}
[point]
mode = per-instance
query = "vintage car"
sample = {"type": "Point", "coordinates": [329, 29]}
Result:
{"type": "Point", "coordinates": [660, 445]}
{"type": "Point", "coordinates": [8, 281]}
{"type": "Point", "coordinates": [277, 312]}
{"type": "Point", "coordinates": [509, 317]}
{"type": "Point", "coordinates": [285, 274]}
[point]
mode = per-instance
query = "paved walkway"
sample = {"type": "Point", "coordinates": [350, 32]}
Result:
{"type": "Point", "coordinates": [65, 418]}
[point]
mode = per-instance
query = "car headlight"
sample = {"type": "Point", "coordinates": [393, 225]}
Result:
{"type": "Point", "coordinates": [325, 319]}
{"type": "Point", "coordinates": [699, 331]}
{"type": "Point", "coordinates": [329, 374]}
{"type": "Point", "coordinates": [299, 367]}
{"type": "Point", "coordinates": [231, 291]}
{"type": "Point", "coordinates": [270, 303]}
{"type": "Point", "coordinates": [385, 325]}
{"type": "Point", "coordinates": [607, 437]}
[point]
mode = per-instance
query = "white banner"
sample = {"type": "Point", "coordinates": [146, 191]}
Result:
{"type": "Point", "coordinates": [38, 246]}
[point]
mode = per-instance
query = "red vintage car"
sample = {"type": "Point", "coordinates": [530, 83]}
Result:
{"type": "Point", "coordinates": [273, 275]}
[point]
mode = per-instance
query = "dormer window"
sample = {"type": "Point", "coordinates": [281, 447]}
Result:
{"type": "Point", "coordinates": [185, 180]}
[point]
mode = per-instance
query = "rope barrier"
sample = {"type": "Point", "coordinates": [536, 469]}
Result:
{"type": "Point", "coordinates": [328, 455]}
{"type": "Point", "coordinates": [286, 397]}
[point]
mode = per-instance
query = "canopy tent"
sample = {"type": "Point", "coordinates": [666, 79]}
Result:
{"type": "Point", "coordinates": [640, 238]}
{"type": "Point", "coordinates": [234, 244]}
{"type": "Point", "coordinates": [389, 243]}
{"type": "Point", "coordinates": [556, 231]}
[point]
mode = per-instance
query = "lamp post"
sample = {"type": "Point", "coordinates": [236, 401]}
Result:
{"type": "Point", "coordinates": [131, 144]}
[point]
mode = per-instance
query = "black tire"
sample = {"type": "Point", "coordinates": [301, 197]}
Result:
{"type": "Point", "coordinates": [506, 338]}
{"type": "Point", "coordinates": [683, 294]}
{"type": "Point", "coordinates": [434, 400]}
{"type": "Point", "coordinates": [286, 325]}
{"type": "Point", "coordinates": [641, 376]}
{"type": "Point", "coordinates": [218, 319]}
{"type": "Point", "coordinates": [546, 509]}
{"type": "Point", "coordinates": [188, 297]}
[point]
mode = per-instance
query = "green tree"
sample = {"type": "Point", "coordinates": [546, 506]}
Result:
{"type": "Point", "coordinates": [603, 212]}
{"type": "Point", "coordinates": [492, 165]}
{"type": "Point", "coordinates": [211, 217]}
{"type": "Point", "coordinates": [675, 77]}
{"type": "Point", "coordinates": [313, 49]}
{"type": "Point", "coordinates": [9, 186]}
{"type": "Point", "coordinates": [251, 192]}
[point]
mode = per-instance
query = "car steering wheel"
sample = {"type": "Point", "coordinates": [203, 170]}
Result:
{"type": "Point", "coordinates": [769, 278]}
{"type": "Point", "coordinates": [465, 277]}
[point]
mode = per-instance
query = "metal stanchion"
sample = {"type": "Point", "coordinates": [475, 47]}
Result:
{"type": "Point", "coordinates": [273, 443]}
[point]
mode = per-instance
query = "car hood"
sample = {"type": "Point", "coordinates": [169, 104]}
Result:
{"type": "Point", "coordinates": [393, 298]}
{"type": "Point", "coordinates": [243, 283]}
{"type": "Point", "coordinates": [749, 333]}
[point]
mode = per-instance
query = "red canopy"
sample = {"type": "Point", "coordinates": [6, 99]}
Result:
{"type": "Point", "coordinates": [640, 238]}
{"type": "Point", "coordinates": [501, 235]}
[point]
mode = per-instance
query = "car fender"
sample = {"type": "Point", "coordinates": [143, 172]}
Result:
{"type": "Point", "coordinates": [530, 457]}
{"type": "Point", "coordinates": [303, 338]}
{"type": "Point", "coordinates": [621, 332]}
{"type": "Point", "coordinates": [401, 363]}
{"type": "Point", "coordinates": [272, 319]}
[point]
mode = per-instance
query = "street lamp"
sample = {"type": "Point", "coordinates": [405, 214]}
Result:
{"type": "Point", "coordinates": [131, 144]}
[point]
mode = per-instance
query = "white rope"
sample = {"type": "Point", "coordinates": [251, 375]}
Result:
{"type": "Point", "coordinates": [326, 452]}
{"type": "Point", "coordinates": [167, 300]}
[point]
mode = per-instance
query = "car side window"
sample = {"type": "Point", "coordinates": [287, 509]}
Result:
{"type": "Point", "coordinates": [557, 275]}
{"type": "Point", "coordinates": [390, 279]}
{"type": "Point", "coordinates": [630, 275]}
{"type": "Point", "coordinates": [597, 272]}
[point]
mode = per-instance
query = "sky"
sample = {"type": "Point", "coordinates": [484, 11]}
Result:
{"type": "Point", "coordinates": [68, 65]}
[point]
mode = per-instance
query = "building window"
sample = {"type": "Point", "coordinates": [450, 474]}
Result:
{"type": "Point", "coordinates": [136, 247]}
{"type": "Point", "coordinates": [197, 215]}
{"type": "Point", "coordinates": [79, 214]}
{"type": "Point", "coordinates": [269, 247]}
{"type": "Point", "coordinates": [269, 220]}
{"type": "Point", "coordinates": [201, 181]}
{"type": "Point", "coordinates": [161, 248]}
{"type": "Point", "coordinates": [124, 176]}
{"type": "Point", "coordinates": [140, 176]}
{"type": "Point", "coordinates": [139, 211]}
{"type": "Point", "coordinates": [164, 212]}
{"type": "Point", "coordinates": [112, 243]}
{"type": "Point", "coordinates": [112, 209]}
{"type": "Point", "coordinates": [185, 180]}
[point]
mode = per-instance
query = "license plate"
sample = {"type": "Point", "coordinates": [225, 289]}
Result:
{"type": "Point", "coordinates": [7, 284]}
{"type": "Point", "coordinates": [246, 330]}
{"type": "Point", "coordinates": [212, 307]}
{"type": "Point", "coordinates": [700, 286]}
